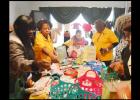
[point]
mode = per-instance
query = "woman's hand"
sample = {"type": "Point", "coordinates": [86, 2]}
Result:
{"type": "Point", "coordinates": [118, 67]}
{"type": "Point", "coordinates": [104, 50]}
{"type": "Point", "coordinates": [55, 59]}
{"type": "Point", "coordinates": [42, 65]}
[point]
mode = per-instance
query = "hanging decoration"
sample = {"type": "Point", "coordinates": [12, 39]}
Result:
{"type": "Point", "coordinates": [76, 25]}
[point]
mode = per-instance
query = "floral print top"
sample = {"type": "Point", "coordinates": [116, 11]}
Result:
{"type": "Point", "coordinates": [119, 48]}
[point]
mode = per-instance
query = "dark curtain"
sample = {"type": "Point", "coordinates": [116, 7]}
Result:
{"type": "Point", "coordinates": [104, 13]}
{"type": "Point", "coordinates": [92, 14]}
{"type": "Point", "coordinates": [37, 15]}
{"type": "Point", "coordinates": [118, 12]}
{"type": "Point", "coordinates": [65, 15]}
{"type": "Point", "coordinates": [46, 11]}
{"type": "Point", "coordinates": [88, 15]}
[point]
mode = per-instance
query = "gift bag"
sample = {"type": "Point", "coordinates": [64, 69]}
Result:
{"type": "Point", "coordinates": [89, 53]}
{"type": "Point", "coordinates": [75, 51]}
{"type": "Point", "coordinates": [73, 54]}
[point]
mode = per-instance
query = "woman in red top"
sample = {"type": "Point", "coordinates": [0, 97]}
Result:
{"type": "Point", "coordinates": [78, 39]}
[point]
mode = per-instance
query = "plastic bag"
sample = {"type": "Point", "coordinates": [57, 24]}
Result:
{"type": "Point", "coordinates": [61, 52]}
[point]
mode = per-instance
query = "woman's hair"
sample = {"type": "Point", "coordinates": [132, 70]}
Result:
{"type": "Point", "coordinates": [101, 22]}
{"type": "Point", "coordinates": [122, 22]}
{"type": "Point", "coordinates": [78, 31]}
{"type": "Point", "coordinates": [128, 27]}
{"type": "Point", "coordinates": [41, 22]}
{"type": "Point", "coordinates": [21, 26]}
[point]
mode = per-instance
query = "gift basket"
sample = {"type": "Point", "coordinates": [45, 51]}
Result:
{"type": "Point", "coordinates": [82, 94]}
{"type": "Point", "coordinates": [91, 82]}
{"type": "Point", "coordinates": [62, 90]}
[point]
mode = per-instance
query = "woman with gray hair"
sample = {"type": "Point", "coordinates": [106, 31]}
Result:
{"type": "Point", "coordinates": [123, 49]}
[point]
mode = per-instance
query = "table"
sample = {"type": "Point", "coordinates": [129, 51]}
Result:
{"type": "Point", "coordinates": [113, 86]}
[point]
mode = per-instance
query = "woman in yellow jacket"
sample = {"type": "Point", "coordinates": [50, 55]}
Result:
{"type": "Point", "coordinates": [104, 40]}
{"type": "Point", "coordinates": [43, 45]}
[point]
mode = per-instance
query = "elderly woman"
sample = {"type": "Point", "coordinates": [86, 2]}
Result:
{"type": "Point", "coordinates": [123, 49]}
{"type": "Point", "coordinates": [43, 47]}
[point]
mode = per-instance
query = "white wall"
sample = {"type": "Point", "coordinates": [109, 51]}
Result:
{"type": "Point", "coordinates": [18, 8]}
{"type": "Point", "coordinates": [24, 7]}
{"type": "Point", "coordinates": [120, 4]}
{"type": "Point", "coordinates": [12, 11]}
{"type": "Point", "coordinates": [127, 5]}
